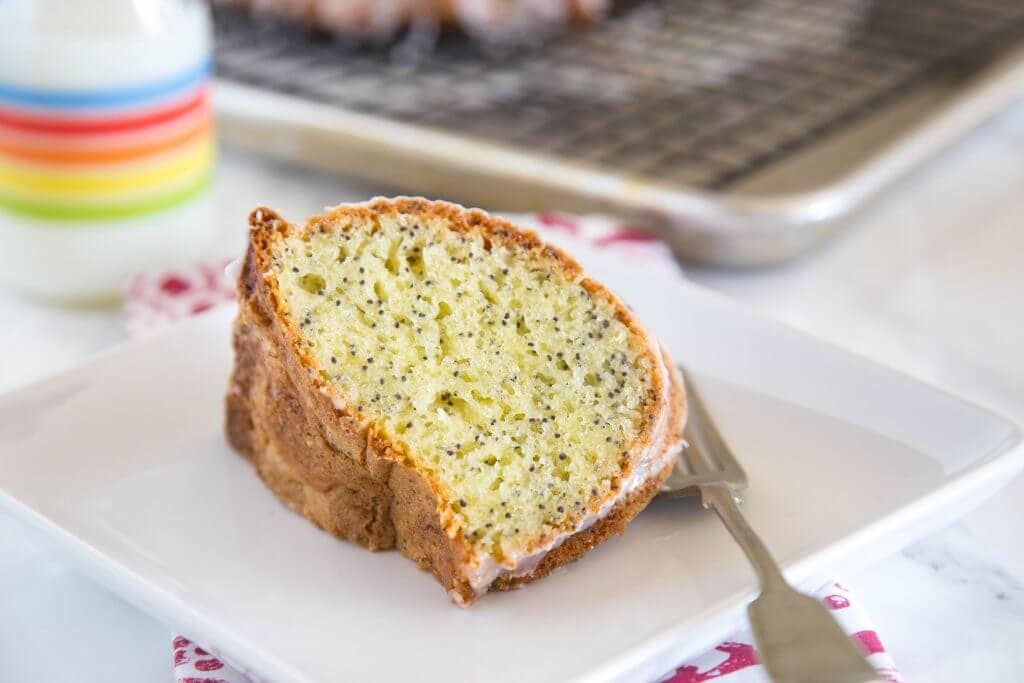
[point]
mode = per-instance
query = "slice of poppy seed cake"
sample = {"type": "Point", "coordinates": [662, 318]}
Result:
{"type": "Point", "coordinates": [411, 374]}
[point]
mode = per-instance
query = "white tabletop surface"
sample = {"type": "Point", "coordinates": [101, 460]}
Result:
{"type": "Point", "coordinates": [929, 280]}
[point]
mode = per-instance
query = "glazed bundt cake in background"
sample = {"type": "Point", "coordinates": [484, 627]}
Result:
{"type": "Point", "coordinates": [412, 374]}
{"type": "Point", "coordinates": [490, 21]}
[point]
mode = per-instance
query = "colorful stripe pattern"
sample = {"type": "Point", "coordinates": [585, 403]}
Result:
{"type": "Point", "coordinates": [93, 155]}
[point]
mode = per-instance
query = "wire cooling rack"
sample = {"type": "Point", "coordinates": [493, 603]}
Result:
{"type": "Point", "coordinates": [741, 131]}
{"type": "Point", "coordinates": [698, 92]}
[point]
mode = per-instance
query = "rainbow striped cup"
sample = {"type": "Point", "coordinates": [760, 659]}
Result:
{"type": "Point", "coordinates": [106, 142]}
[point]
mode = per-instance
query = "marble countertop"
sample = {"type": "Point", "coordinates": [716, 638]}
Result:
{"type": "Point", "coordinates": [928, 280]}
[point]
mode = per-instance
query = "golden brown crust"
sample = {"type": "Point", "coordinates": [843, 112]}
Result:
{"type": "Point", "coordinates": [329, 463]}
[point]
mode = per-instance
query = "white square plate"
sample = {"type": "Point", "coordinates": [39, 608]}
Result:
{"type": "Point", "coordinates": [124, 462]}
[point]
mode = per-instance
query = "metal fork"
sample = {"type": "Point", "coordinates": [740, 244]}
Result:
{"type": "Point", "coordinates": [797, 640]}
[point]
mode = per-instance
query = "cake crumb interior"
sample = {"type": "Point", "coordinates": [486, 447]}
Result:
{"type": "Point", "coordinates": [499, 373]}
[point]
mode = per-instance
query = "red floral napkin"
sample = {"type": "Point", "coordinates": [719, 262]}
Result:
{"type": "Point", "coordinates": [155, 300]}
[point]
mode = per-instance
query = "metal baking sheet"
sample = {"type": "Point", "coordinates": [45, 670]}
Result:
{"type": "Point", "coordinates": [742, 131]}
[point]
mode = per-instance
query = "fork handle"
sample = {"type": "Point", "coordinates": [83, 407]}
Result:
{"type": "Point", "coordinates": [722, 500]}
{"type": "Point", "coordinates": [798, 641]}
